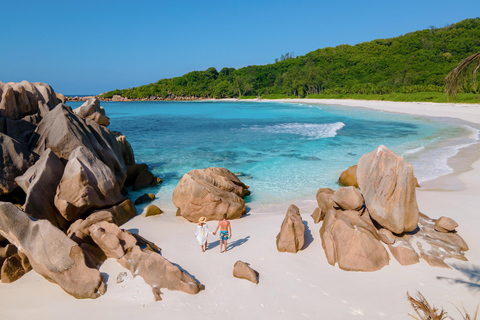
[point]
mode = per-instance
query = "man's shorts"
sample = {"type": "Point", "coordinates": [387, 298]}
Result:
{"type": "Point", "coordinates": [223, 235]}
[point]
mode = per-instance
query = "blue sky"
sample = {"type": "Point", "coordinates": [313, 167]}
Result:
{"type": "Point", "coordinates": [89, 47]}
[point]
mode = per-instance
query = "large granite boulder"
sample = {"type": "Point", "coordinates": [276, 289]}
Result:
{"type": "Point", "coordinates": [325, 203]}
{"type": "Point", "coordinates": [348, 198]}
{"type": "Point", "coordinates": [349, 177]}
{"type": "Point", "coordinates": [78, 231]}
{"type": "Point", "coordinates": [18, 100]}
{"type": "Point", "coordinates": [21, 130]}
{"type": "Point", "coordinates": [50, 252]}
{"type": "Point", "coordinates": [291, 237]}
{"type": "Point", "coordinates": [91, 110]}
{"type": "Point", "coordinates": [87, 183]}
{"type": "Point", "coordinates": [126, 148]}
{"type": "Point", "coordinates": [157, 271]}
{"type": "Point", "coordinates": [210, 193]}
{"type": "Point", "coordinates": [388, 186]}
{"type": "Point", "coordinates": [15, 159]}
{"type": "Point", "coordinates": [242, 270]}
{"type": "Point", "coordinates": [62, 131]}
{"type": "Point", "coordinates": [352, 242]}
{"type": "Point", "coordinates": [40, 184]}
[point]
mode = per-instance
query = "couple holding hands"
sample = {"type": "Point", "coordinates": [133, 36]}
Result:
{"type": "Point", "coordinates": [203, 231]}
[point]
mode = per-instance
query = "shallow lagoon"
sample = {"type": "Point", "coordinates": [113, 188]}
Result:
{"type": "Point", "coordinates": [284, 152]}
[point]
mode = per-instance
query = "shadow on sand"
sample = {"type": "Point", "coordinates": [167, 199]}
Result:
{"type": "Point", "coordinates": [472, 275]}
{"type": "Point", "coordinates": [308, 236]}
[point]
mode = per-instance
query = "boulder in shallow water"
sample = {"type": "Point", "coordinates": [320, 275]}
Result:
{"type": "Point", "coordinates": [349, 177]}
{"type": "Point", "coordinates": [210, 193]}
{"type": "Point", "coordinates": [92, 110]}
{"type": "Point", "coordinates": [291, 237]}
{"type": "Point", "coordinates": [51, 253]}
{"type": "Point", "coordinates": [388, 186]}
{"type": "Point", "coordinates": [147, 197]}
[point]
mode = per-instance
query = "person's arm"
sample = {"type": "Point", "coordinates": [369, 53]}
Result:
{"type": "Point", "coordinates": [217, 228]}
{"type": "Point", "coordinates": [229, 230]}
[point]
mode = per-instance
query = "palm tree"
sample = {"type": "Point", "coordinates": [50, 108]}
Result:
{"type": "Point", "coordinates": [467, 69]}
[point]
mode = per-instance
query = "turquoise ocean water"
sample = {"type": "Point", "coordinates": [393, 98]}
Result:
{"type": "Point", "coordinates": [284, 152]}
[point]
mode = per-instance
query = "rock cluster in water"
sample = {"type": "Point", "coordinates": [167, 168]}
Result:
{"type": "Point", "coordinates": [62, 184]}
{"type": "Point", "coordinates": [359, 224]}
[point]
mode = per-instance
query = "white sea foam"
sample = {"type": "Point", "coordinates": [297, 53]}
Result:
{"type": "Point", "coordinates": [308, 130]}
{"type": "Point", "coordinates": [413, 151]}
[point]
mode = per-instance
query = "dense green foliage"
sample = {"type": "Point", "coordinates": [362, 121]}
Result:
{"type": "Point", "coordinates": [412, 63]}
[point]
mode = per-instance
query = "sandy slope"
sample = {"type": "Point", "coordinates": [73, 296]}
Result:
{"type": "Point", "coordinates": [291, 286]}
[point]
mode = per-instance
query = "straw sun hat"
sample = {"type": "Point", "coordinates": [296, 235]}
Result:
{"type": "Point", "coordinates": [202, 220]}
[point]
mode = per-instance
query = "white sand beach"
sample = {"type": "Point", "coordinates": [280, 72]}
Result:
{"type": "Point", "coordinates": [300, 286]}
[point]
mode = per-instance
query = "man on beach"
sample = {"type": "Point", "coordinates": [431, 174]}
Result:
{"type": "Point", "coordinates": [225, 232]}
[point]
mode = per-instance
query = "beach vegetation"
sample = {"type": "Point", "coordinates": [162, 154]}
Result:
{"type": "Point", "coordinates": [416, 62]}
{"type": "Point", "coordinates": [425, 311]}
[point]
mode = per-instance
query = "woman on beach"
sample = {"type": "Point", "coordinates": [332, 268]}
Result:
{"type": "Point", "coordinates": [202, 233]}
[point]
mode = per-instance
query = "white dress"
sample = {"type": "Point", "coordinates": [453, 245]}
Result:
{"type": "Point", "coordinates": [202, 233]}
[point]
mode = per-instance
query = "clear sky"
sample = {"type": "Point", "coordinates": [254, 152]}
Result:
{"type": "Point", "coordinates": [89, 47]}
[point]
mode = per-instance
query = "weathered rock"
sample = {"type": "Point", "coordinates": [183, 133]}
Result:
{"type": "Point", "coordinates": [91, 110]}
{"type": "Point", "coordinates": [352, 242]}
{"type": "Point", "coordinates": [388, 187]}
{"type": "Point", "coordinates": [50, 252]}
{"type": "Point", "coordinates": [404, 253]}
{"type": "Point", "coordinates": [386, 236]}
{"type": "Point", "coordinates": [18, 100]}
{"type": "Point", "coordinates": [210, 193]}
{"type": "Point", "coordinates": [348, 198]}
{"type": "Point", "coordinates": [13, 268]}
{"type": "Point", "coordinates": [63, 131]}
{"type": "Point", "coordinates": [325, 203]}
{"type": "Point", "coordinates": [349, 177]}
{"type": "Point", "coordinates": [291, 237]}
{"type": "Point", "coordinates": [144, 179]}
{"type": "Point", "coordinates": [14, 161]}
{"type": "Point", "coordinates": [86, 183]}
{"type": "Point", "coordinates": [133, 171]}
{"type": "Point", "coordinates": [242, 270]}
{"type": "Point", "coordinates": [40, 183]}
{"type": "Point", "coordinates": [157, 271]}
{"type": "Point", "coordinates": [126, 148]}
{"type": "Point", "coordinates": [152, 210]}
{"type": "Point", "coordinates": [445, 224]}
{"type": "Point", "coordinates": [147, 197]}
{"type": "Point", "coordinates": [6, 252]}
{"type": "Point", "coordinates": [118, 215]}
{"type": "Point", "coordinates": [20, 130]}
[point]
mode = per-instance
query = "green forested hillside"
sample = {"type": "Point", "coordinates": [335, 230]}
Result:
{"type": "Point", "coordinates": [415, 62]}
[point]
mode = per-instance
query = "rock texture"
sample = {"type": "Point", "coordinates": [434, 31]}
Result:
{"type": "Point", "coordinates": [62, 131]}
{"type": "Point", "coordinates": [210, 193]}
{"type": "Point", "coordinates": [352, 242]}
{"type": "Point", "coordinates": [152, 210]}
{"type": "Point", "coordinates": [349, 177]}
{"type": "Point", "coordinates": [325, 203]}
{"type": "Point", "coordinates": [242, 270]}
{"type": "Point", "coordinates": [147, 197]}
{"type": "Point", "coordinates": [15, 159]}
{"type": "Point", "coordinates": [50, 252]}
{"type": "Point", "coordinates": [348, 198]}
{"type": "Point", "coordinates": [445, 224]}
{"type": "Point", "coordinates": [126, 149]}
{"type": "Point", "coordinates": [86, 183]}
{"type": "Point", "coordinates": [157, 271]}
{"type": "Point", "coordinates": [40, 184]}
{"type": "Point", "coordinates": [91, 110]}
{"type": "Point", "coordinates": [388, 186]}
{"type": "Point", "coordinates": [291, 237]}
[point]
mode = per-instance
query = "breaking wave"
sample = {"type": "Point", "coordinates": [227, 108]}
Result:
{"type": "Point", "coordinates": [307, 130]}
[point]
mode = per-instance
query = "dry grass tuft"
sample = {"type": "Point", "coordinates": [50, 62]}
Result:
{"type": "Point", "coordinates": [426, 312]}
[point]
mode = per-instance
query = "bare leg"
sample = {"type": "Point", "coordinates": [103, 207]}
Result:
{"type": "Point", "coordinates": [206, 244]}
{"type": "Point", "coordinates": [203, 249]}
{"type": "Point", "coordinates": [225, 246]}
{"type": "Point", "coordinates": [221, 244]}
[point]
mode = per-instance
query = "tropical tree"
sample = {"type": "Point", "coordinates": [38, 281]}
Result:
{"type": "Point", "coordinates": [465, 72]}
